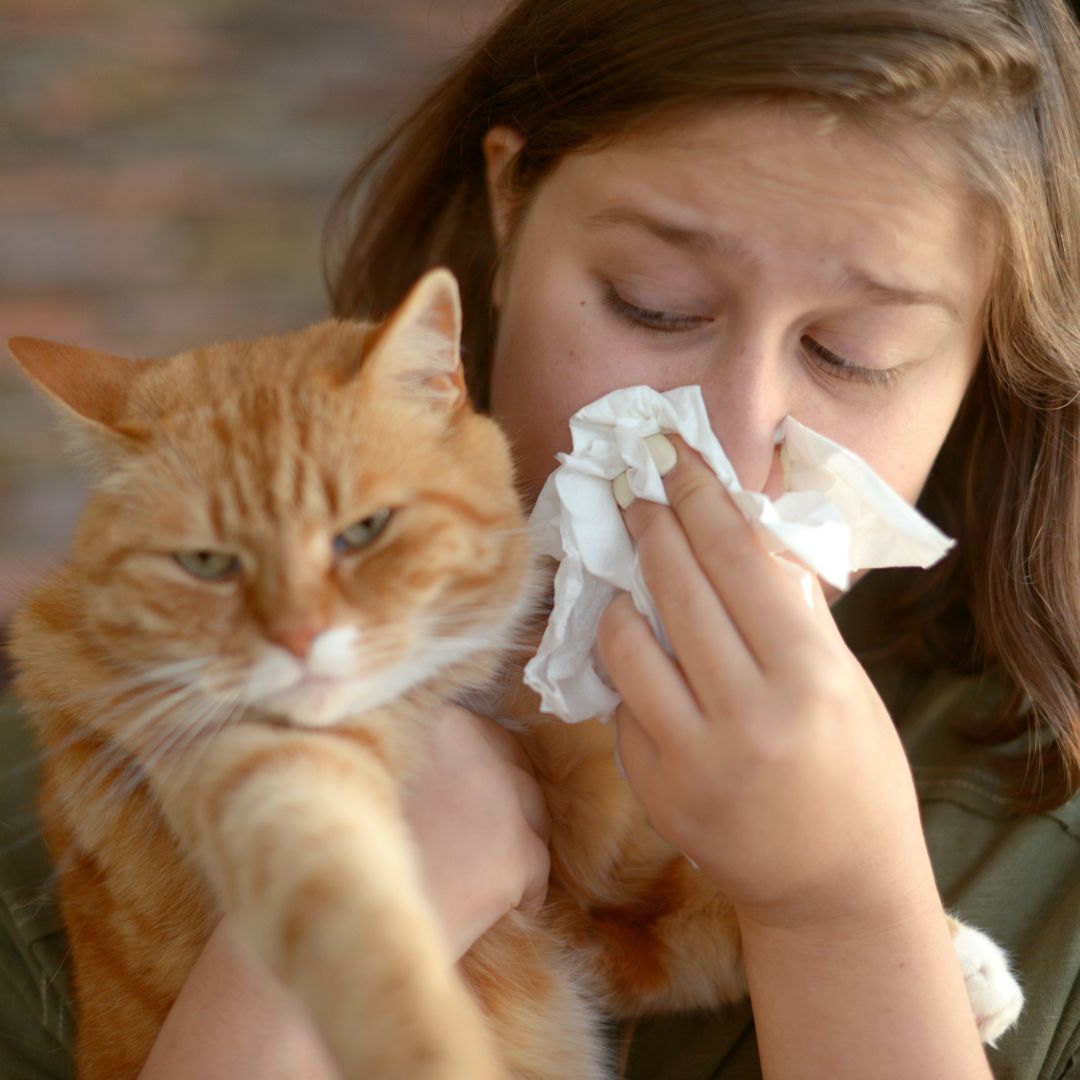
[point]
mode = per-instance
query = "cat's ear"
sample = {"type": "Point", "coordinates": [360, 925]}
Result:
{"type": "Point", "coordinates": [89, 388]}
{"type": "Point", "coordinates": [419, 345]}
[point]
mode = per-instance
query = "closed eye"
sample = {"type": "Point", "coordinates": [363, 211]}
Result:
{"type": "Point", "coordinates": [646, 318]}
{"type": "Point", "coordinates": [836, 366]}
{"type": "Point", "coordinates": [668, 322]}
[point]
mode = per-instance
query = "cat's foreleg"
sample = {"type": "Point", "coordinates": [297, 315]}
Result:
{"type": "Point", "coordinates": [301, 837]}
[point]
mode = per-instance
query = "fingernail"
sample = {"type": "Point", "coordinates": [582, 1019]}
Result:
{"type": "Point", "coordinates": [662, 451]}
{"type": "Point", "coordinates": [620, 488]}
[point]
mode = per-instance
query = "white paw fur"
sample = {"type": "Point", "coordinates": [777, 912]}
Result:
{"type": "Point", "coordinates": [995, 994]}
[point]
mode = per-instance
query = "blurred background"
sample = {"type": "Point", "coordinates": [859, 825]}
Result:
{"type": "Point", "coordinates": [165, 167]}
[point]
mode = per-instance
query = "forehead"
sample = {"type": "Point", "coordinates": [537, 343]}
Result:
{"type": "Point", "coordinates": [778, 178]}
{"type": "Point", "coordinates": [260, 445]}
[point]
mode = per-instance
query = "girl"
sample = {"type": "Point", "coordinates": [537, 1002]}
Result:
{"type": "Point", "coordinates": [866, 216]}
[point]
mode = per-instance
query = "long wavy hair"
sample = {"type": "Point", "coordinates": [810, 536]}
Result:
{"type": "Point", "coordinates": [999, 79]}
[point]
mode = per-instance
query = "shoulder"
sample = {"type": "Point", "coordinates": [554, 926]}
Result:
{"type": "Point", "coordinates": [35, 1015]}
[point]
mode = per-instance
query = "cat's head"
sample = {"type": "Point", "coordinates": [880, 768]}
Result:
{"type": "Point", "coordinates": [309, 524]}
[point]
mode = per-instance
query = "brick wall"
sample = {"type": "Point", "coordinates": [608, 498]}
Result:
{"type": "Point", "coordinates": [165, 166]}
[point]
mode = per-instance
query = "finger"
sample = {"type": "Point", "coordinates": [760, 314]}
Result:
{"type": "Point", "coordinates": [638, 753]}
{"type": "Point", "coordinates": [534, 807]}
{"type": "Point", "coordinates": [458, 722]}
{"type": "Point", "coordinates": [709, 645]}
{"type": "Point", "coordinates": [522, 773]}
{"type": "Point", "coordinates": [810, 589]}
{"type": "Point", "coordinates": [535, 893]}
{"type": "Point", "coordinates": [822, 607]}
{"type": "Point", "coordinates": [649, 681]}
{"type": "Point", "coordinates": [762, 599]}
{"type": "Point", "coordinates": [467, 740]}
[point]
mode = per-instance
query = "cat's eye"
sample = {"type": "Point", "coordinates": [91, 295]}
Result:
{"type": "Point", "coordinates": [362, 532]}
{"type": "Point", "coordinates": [208, 565]}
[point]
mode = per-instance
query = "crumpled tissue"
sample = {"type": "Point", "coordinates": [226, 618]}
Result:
{"type": "Point", "coordinates": [836, 516]}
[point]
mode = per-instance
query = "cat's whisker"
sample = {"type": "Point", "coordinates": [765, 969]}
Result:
{"type": "Point", "coordinates": [29, 835]}
{"type": "Point", "coordinates": [138, 723]}
{"type": "Point", "coordinates": [122, 752]}
{"type": "Point", "coordinates": [381, 646]}
{"type": "Point", "coordinates": [188, 720]}
{"type": "Point", "coordinates": [185, 727]}
{"type": "Point", "coordinates": [198, 748]}
{"type": "Point", "coordinates": [31, 761]}
{"type": "Point", "coordinates": [43, 753]}
{"type": "Point", "coordinates": [168, 672]}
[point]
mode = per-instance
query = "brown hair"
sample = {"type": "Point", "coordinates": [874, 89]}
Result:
{"type": "Point", "coordinates": [1001, 77]}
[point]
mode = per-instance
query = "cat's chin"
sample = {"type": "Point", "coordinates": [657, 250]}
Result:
{"type": "Point", "coordinates": [312, 702]}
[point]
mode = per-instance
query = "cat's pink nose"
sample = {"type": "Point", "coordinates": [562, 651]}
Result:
{"type": "Point", "coordinates": [294, 636]}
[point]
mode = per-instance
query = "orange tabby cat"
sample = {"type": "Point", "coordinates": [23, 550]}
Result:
{"type": "Point", "coordinates": [300, 546]}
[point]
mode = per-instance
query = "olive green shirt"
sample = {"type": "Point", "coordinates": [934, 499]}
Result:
{"type": "Point", "coordinates": [36, 1020]}
{"type": "Point", "coordinates": [1014, 875]}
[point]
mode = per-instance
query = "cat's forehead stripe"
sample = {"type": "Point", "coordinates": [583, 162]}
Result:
{"type": "Point", "coordinates": [330, 493]}
{"type": "Point", "coordinates": [216, 512]}
{"type": "Point", "coordinates": [266, 474]}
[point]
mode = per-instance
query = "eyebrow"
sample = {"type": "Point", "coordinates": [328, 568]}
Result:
{"type": "Point", "coordinates": [701, 242]}
{"type": "Point", "coordinates": [694, 241]}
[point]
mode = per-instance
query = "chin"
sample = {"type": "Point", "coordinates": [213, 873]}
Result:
{"type": "Point", "coordinates": [315, 703]}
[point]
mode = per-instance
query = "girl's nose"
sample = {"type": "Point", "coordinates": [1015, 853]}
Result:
{"type": "Point", "coordinates": [747, 396]}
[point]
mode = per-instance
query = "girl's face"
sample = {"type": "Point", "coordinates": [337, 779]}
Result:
{"type": "Point", "coordinates": [778, 257]}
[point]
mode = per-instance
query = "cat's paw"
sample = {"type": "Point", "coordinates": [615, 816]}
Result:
{"type": "Point", "coordinates": [995, 994]}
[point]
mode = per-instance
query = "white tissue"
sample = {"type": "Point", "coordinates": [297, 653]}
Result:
{"type": "Point", "coordinates": [835, 517]}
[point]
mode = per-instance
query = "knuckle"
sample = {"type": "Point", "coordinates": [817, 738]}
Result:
{"type": "Point", "coordinates": [650, 525]}
{"type": "Point", "coordinates": [508, 748]}
{"type": "Point", "coordinates": [769, 752]}
{"type": "Point", "coordinates": [730, 544]}
{"type": "Point", "coordinates": [674, 824]}
{"type": "Point", "coordinates": [819, 679]}
{"type": "Point", "coordinates": [621, 632]}
{"type": "Point", "coordinates": [641, 517]}
{"type": "Point", "coordinates": [690, 596]}
{"type": "Point", "coordinates": [691, 480]}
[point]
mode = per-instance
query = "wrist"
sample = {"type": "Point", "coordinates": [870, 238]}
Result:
{"type": "Point", "coordinates": [872, 902]}
{"type": "Point", "coordinates": [878, 982]}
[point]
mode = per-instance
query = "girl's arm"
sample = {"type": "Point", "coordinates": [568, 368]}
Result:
{"type": "Point", "coordinates": [764, 753]}
{"type": "Point", "coordinates": [233, 1018]}
{"type": "Point", "coordinates": [480, 829]}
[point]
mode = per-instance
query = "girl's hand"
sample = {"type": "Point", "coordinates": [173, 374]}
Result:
{"type": "Point", "coordinates": [480, 825]}
{"type": "Point", "coordinates": [761, 750]}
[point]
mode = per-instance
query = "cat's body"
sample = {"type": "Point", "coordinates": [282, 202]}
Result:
{"type": "Point", "coordinates": [300, 547]}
